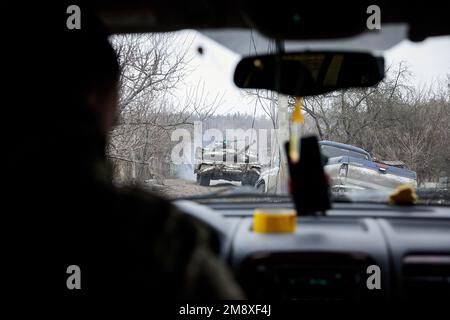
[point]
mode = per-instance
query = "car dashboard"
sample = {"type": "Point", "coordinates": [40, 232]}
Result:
{"type": "Point", "coordinates": [332, 257]}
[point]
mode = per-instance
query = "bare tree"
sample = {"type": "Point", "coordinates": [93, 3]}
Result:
{"type": "Point", "coordinates": [393, 120]}
{"type": "Point", "coordinates": [152, 67]}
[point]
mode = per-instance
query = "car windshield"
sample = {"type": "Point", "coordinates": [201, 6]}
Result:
{"type": "Point", "coordinates": [185, 129]}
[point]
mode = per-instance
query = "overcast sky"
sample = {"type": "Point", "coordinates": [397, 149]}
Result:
{"type": "Point", "coordinates": [429, 62]}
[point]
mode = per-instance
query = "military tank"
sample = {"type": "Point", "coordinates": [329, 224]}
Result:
{"type": "Point", "coordinates": [223, 161]}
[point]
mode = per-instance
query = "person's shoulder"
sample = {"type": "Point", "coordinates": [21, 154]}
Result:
{"type": "Point", "coordinates": [140, 201]}
{"type": "Point", "coordinates": [153, 215]}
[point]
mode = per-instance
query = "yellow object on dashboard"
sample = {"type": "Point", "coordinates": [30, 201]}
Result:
{"type": "Point", "coordinates": [274, 220]}
{"type": "Point", "coordinates": [403, 195]}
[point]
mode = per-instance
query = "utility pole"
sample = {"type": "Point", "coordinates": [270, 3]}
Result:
{"type": "Point", "coordinates": [282, 126]}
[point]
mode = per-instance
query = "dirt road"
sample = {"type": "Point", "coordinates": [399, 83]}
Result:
{"type": "Point", "coordinates": [175, 188]}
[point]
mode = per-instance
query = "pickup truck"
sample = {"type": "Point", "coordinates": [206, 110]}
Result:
{"type": "Point", "coordinates": [350, 168]}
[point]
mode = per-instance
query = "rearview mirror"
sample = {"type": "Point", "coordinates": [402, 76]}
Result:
{"type": "Point", "coordinates": [309, 73]}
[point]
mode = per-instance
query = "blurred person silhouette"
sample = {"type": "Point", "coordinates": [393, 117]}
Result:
{"type": "Point", "coordinates": [65, 208]}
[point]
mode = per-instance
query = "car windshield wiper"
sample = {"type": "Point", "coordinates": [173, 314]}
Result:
{"type": "Point", "coordinates": [237, 193]}
{"type": "Point", "coordinates": [245, 193]}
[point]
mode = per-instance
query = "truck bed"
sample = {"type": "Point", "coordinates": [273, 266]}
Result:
{"type": "Point", "coordinates": [356, 173]}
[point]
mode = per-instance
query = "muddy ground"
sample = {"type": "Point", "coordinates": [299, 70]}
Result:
{"type": "Point", "coordinates": [177, 188]}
